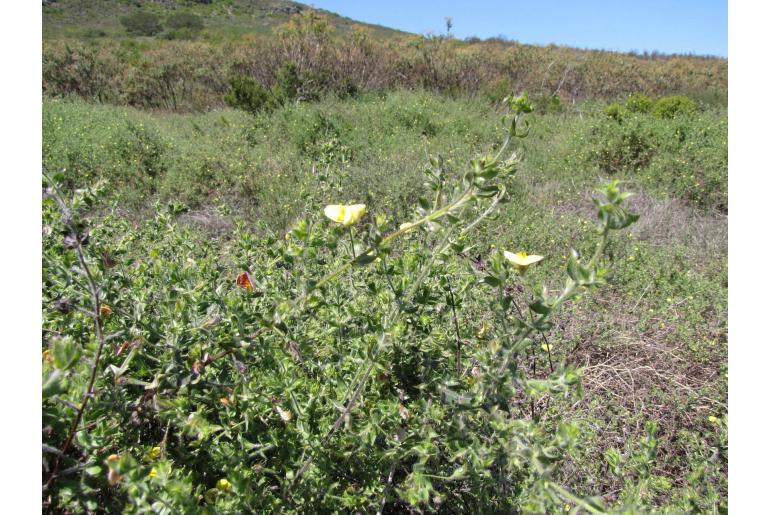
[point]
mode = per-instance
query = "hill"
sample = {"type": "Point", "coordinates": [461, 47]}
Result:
{"type": "Point", "coordinates": [86, 19]}
{"type": "Point", "coordinates": [184, 56]}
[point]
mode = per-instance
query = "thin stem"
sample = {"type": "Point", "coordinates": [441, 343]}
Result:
{"type": "Point", "coordinates": [352, 244]}
{"type": "Point", "coordinates": [387, 486]}
{"type": "Point", "coordinates": [458, 352]}
{"type": "Point", "coordinates": [94, 290]}
{"type": "Point", "coordinates": [566, 294]}
{"type": "Point", "coordinates": [392, 317]}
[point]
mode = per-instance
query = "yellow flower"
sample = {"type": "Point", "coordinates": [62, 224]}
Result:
{"type": "Point", "coordinates": [345, 214]}
{"type": "Point", "coordinates": [153, 473]}
{"type": "Point", "coordinates": [713, 419]}
{"type": "Point", "coordinates": [224, 485]}
{"type": "Point", "coordinates": [154, 453]}
{"type": "Point", "coordinates": [546, 347]}
{"type": "Point", "coordinates": [521, 260]}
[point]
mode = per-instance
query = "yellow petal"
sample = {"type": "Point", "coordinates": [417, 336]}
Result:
{"type": "Point", "coordinates": [335, 213]}
{"type": "Point", "coordinates": [521, 259]}
{"type": "Point", "coordinates": [354, 213]}
{"type": "Point", "coordinates": [531, 260]}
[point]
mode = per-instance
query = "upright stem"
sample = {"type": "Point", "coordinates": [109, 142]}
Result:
{"type": "Point", "coordinates": [352, 244]}
{"type": "Point", "coordinates": [458, 352]}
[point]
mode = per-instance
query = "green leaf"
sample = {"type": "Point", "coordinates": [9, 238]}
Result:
{"type": "Point", "coordinates": [365, 259]}
{"type": "Point", "coordinates": [540, 308]}
{"type": "Point", "coordinates": [65, 353]}
{"type": "Point", "coordinates": [54, 384]}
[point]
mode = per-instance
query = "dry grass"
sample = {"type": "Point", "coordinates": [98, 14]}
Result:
{"type": "Point", "coordinates": [663, 222]}
{"type": "Point", "coordinates": [636, 376]}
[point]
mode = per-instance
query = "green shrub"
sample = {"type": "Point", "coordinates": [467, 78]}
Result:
{"type": "Point", "coordinates": [320, 140]}
{"type": "Point", "coordinates": [94, 33]}
{"type": "Point", "coordinates": [615, 112]}
{"type": "Point", "coordinates": [639, 103]}
{"type": "Point", "coordinates": [287, 83]}
{"type": "Point", "coordinates": [142, 23]}
{"type": "Point", "coordinates": [624, 148]}
{"type": "Point", "coordinates": [249, 95]}
{"type": "Point", "coordinates": [674, 105]}
{"type": "Point", "coordinates": [184, 20]}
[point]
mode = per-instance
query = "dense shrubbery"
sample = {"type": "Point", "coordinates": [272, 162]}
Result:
{"type": "Point", "coordinates": [224, 165]}
{"type": "Point", "coordinates": [321, 371]}
{"type": "Point", "coordinates": [346, 64]}
{"type": "Point", "coordinates": [639, 103]}
{"type": "Point", "coordinates": [673, 145]}
{"type": "Point", "coordinates": [664, 107]}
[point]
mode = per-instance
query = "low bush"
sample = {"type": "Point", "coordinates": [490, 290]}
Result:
{"type": "Point", "coordinates": [142, 23]}
{"type": "Point", "coordinates": [639, 103]}
{"type": "Point", "coordinates": [627, 149]}
{"type": "Point", "coordinates": [615, 112]}
{"type": "Point", "coordinates": [674, 105]}
{"type": "Point", "coordinates": [249, 95]}
{"type": "Point", "coordinates": [184, 20]}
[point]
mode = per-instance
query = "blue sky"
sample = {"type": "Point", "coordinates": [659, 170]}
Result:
{"type": "Point", "coordinates": [669, 26]}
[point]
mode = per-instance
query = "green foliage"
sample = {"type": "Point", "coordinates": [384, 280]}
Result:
{"type": "Point", "coordinates": [494, 90]}
{"type": "Point", "coordinates": [249, 95]}
{"type": "Point", "coordinates": [686, 155]}
{"type": "Point", "coordinates": [184, 20]}
{"type": "Point", "coordinates": [639, 103]}
{"type": "Point", "coordinates": [287, 83]}
{"type": "Point", "coordinates": [327, 376]}
{"type": "Point", "coordinates": [319, 140]}
{"type": "Point", "coordinates": [182, 25]}
{"type": "Point", "coordinates": [142, 23]}
{"type": "Point", "coordinates": [212, 176]}
{"type": "Point", "coordinates": [675, 105]}
{"type": "Point", "coordinates": [548, 103]}
{"type": "Point", "coordinates": [626, 149]}
{"type": "Point", "coordinates": [615, 112]}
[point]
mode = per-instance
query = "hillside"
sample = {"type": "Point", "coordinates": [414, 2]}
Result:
{"type": "Point", "coordinates": [87, 19]}
{"type": "Point", "coordinates": [185, 56]}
